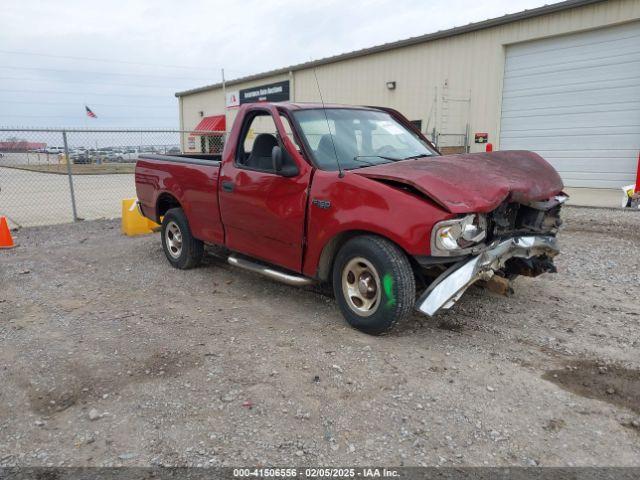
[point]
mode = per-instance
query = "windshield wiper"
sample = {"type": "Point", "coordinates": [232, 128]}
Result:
{"type": "Point", "coordinates": [357, 158]}
{"type": "Point", "coordinates": [367, 163]}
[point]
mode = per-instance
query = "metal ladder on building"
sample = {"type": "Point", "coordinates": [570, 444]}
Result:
{"type": "Point", "coordinates": [451, 128]}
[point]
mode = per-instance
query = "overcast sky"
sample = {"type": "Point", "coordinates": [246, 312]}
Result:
{"type": "Point", "coordinates": [127, 58]}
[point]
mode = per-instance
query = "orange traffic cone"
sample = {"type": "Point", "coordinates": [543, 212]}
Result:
{"type": "Point", "coordinates": [6, 241]}
{"type": "Point", "coordinates": [637, 189]}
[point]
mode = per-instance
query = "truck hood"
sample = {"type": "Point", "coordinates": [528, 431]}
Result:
{"type": "Point", "coordinates": [474, 182]}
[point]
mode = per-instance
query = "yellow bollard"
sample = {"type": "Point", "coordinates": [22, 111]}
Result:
{"type": "Point", "coordinates": [133, 223]}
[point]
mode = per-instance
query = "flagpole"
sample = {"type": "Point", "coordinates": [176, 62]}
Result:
{"type": "Point", "coordinates": [224, 87]}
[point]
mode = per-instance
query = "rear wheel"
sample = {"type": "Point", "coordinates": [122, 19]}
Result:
{"type": "Point", "coordinates": [373, 284]}
{"type": "Point", "coordinates": [180, 247]}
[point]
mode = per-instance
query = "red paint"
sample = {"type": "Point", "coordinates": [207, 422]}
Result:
{"type": "Point", "coordinates": [475, 182]}
{"type": "Point", "coordinates": [215, 123]}
{"type": "Point", "coordinates": [273, 218]}
{"type": "Point", "coordinates": [195, 188]}
{"type": "Point", "coordinates": [360, 204]}
{"type": "Point", "coordinates": [489, 147]}
{"type": "Point", "coordinates": [264, 215]}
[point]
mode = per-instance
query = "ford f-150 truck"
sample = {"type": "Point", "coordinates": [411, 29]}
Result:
{"type": "Point", "coordinates": [356, 198]}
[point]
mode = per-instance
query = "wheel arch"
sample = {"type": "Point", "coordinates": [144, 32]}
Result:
{"type": "Point", "coordinates": [331, 248]}
{"type": "Point", "coordinates": [164, 203]}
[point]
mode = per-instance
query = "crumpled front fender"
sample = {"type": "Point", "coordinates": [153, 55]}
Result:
{"type": "Point", "coordinates": [449, 287]}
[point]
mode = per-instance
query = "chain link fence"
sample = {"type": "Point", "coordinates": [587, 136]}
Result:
{"type": "Point", "coordinates": [52, 176]}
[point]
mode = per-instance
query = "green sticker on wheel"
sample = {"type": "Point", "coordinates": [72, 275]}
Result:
{"type": "Point", "coordinates": [387, 283]}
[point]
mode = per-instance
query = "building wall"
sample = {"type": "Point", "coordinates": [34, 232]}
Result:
{"type": "Point", "coordinates": [212, 102]}
{"type": "Point", "coordinates": [466, 66]}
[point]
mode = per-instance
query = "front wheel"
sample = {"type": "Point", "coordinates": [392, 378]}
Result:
{"type": "Point", "coordinates": [182, 250]}
{"type": "Point", "coordinates": [373, 284]}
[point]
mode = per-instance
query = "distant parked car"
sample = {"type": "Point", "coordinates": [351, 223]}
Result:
{"type": "Point", "coordinates": [54, 150]}
{"type": "Point", "coordinates": [78, 151]}
{"type": "Point", "coordinates": [81, 157]}
{"type": "Point", "coordinates": [129, 155]}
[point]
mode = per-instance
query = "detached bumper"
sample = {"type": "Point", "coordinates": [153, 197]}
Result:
{"type": "Point", "coordinates": [450, 286]}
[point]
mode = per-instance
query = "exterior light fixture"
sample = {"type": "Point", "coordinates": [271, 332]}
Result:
{"type": "Point", "coordinates": [391, 85]}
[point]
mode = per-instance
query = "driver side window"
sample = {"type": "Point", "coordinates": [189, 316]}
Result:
{"type": "Point", "coordinates": [260, 135]}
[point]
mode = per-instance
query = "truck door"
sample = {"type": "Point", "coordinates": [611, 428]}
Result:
{"type": "Point", "coordinates": [263, 212]}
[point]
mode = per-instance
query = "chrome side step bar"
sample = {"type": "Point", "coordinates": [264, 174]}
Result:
{"type": "Point", "coordinates": [272, 273]}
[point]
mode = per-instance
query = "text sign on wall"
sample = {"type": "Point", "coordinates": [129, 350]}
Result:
{"type": "Point", "coordinates": [481, 137]}
{"type": "Point", "coordinates": [233, 99]}
{"type": "Point", "coordinates": [273, 92]}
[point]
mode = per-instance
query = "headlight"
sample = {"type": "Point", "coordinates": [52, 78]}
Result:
{"type": "Point", "coordinates": [458, 236]}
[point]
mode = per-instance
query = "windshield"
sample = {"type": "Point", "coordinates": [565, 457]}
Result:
{"type": "Point", "coordinates": [360, 138]}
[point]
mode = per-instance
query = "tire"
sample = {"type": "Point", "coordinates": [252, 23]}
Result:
{"type": "Point", "coordinates": [180, 247]}
{"type": "Point", "coordinates": [373, 283]}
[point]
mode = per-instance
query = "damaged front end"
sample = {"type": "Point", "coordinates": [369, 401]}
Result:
{"type": "Point", "coordinates": [514, 239]}
{"type": "Point", "coordinates": [449, 287]}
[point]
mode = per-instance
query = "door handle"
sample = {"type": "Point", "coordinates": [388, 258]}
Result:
{"type": "Point", "coordinates": [227, 186]}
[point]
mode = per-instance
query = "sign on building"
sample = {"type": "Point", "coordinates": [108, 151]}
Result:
{"type": "Point", "coordinates": [272, 92]}
{"type": "Point", "coordinates": [233, 99]}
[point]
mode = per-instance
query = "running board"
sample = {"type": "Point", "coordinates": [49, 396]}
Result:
{"type": "Point", "coordinates": [288, 278]}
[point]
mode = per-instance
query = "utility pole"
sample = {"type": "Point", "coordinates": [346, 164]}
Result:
{"type": "Point", "coordinates": [224, 103]}
{"type": "Point", "coordinates": [224, 89]}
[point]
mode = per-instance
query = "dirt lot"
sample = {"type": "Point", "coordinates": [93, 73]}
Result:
{"type": "Point", "coordinates": [110, 357]}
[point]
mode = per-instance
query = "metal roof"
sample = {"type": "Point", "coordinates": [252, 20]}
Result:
{"type": "Point", "coordinates": [215, 123]}
{"type": "Point", "coordinates": [472, 27]}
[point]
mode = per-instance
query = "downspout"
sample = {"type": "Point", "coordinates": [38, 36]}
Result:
{"type": "Point", "coordinates": [292, 89]}
{"type": "Point", "coordinates": [181, 120]}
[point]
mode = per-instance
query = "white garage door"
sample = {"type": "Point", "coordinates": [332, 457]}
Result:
{"type": "Point", "coordinates": [575, 100]}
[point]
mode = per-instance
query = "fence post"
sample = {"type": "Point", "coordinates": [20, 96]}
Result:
{"type": "Point", "coordinates": [70, 175]}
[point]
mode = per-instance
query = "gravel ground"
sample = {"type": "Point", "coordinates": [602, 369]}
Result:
{"type": "Point", "coordinates": [108, 356]}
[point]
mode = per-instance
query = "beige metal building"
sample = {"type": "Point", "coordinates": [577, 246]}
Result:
{"type": "Point", "coordinates": [562, 80]}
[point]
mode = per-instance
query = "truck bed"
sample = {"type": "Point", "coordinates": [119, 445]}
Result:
{"type": "Point", "coordinates": [194, 158]}
{"type": "Point", "coordinates": [188, 180]}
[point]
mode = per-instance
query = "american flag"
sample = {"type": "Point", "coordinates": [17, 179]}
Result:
{"type": "Point", "coordinates": [90, 113]}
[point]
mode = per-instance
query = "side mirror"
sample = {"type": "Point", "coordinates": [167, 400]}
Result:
{"type": "Point", "coordinates": [276, 157]}
{"type": "Point", "coordinates": [282, 164]}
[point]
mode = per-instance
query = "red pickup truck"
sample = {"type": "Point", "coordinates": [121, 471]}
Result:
{"type": "Point", "coordinates": [356, 198]}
